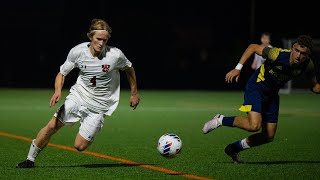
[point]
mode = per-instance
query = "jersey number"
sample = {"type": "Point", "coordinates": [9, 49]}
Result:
{"type": "Point", "coordinates": [105, 67]}
{"type": "Point", "coordinates": [93, 81]}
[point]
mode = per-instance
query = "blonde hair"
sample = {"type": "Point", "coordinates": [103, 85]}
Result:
{"type": "Point", "coordinates": [98, 24]}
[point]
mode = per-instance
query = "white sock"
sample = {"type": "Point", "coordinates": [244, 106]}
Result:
{"type": "Point", "coordinates": [33, 151]}
{"type": "Point", "coordinates": [244, 144]}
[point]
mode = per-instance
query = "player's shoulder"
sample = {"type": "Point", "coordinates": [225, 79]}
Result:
{"type": "Point", "coordinates": [79, 48]}
{"type": "Point", "coordinates": [274, 53]}
{"type": "Point", "coordinates": [114, 51]}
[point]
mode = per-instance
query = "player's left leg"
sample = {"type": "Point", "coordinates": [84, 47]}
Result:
{"type": "Point", "coordinates": [90, 126]}
{"type": "Point", "coordinates": [81, 143]}
{"type": "Point", "coordinates": [265, 136]}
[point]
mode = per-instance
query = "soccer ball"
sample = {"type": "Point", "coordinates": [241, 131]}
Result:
{"type": "Point", "coordinates": [169, 145]}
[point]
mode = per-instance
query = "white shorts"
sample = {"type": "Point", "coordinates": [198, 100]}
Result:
{"type": "Point", "coordinates": [73, 111]}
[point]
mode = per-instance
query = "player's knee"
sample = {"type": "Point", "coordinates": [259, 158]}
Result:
{"type": "Point", "coordinates": [80, 147]}
{"type": "Point", "coordinates": [81, 143]}
{"type": "Point", "coordinates": [254, 127]}
{"type": "Point", "coordinates": [254, 123]}
{"type": "Point", "coordinates": [52, 126]}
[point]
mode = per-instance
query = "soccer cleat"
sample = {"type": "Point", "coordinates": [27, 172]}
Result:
{"type": "Point", "coordinates": [212, 124]}
{"type": "Point", "coordinates": [25, 164]}
{"type": "Point", "coordinates": [233, 154]}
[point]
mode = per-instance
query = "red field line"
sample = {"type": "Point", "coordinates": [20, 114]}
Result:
{"type": "Point", "coordinates": [155, 168]}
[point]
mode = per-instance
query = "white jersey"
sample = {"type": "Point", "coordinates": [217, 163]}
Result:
{"type": "Point", "coordinates": [259, 59]}
{"type": "Point", "coordinates": [98, 83]}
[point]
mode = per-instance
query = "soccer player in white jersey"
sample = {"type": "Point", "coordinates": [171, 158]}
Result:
{"type": "Point", "coordinates": [258, 59]}
{"type": "Point", "coordinates": [95, 94]}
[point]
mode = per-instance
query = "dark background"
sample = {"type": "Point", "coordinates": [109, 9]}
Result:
{"type": "Point", "coordinates": [172, 44]}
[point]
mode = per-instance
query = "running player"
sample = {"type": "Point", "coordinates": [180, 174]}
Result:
{"type": "Point", "coordinates": [261, 99]}
{"type": "Point", "coordinates": [258, 59]}
{"type": "Point", "coordinates": [95, 94]}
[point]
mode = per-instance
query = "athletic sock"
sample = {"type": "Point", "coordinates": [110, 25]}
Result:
{"type": "Point", "coordinates": [33, 151]}
{"type": "Point", "coordinates": [228, 121]}
{"type": "Point", "coordinates": [240, 145]}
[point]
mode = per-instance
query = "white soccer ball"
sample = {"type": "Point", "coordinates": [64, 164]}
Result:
{"type": "Point", "coordinates": [169, 145]}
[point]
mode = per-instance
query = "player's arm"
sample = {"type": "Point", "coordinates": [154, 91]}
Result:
{"type": "Point", "coordinates": [57, 89]}
{"type": "Point", "coordinates": [65, 68]}
{"type": "Point", "coordinates": [235, 73]}
{"type": "Point", "coordinates": [131, 75]}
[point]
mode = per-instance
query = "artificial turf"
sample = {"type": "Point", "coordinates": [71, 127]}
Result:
{"type": "Point", "coordinates": [132, 135]}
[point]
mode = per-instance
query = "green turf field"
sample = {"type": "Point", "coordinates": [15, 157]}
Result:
{"type": "Point", "coordinates": [126, 146]}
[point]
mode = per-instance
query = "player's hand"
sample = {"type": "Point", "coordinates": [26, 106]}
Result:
{"type": "Point", "coordinates": [55, 98]}
{"type": "Point", "coordinates": [134, 101]}
{"type": "Point", "coordinates": [235, 73]}
{"type": "Point", "coordinates": [316, 88]}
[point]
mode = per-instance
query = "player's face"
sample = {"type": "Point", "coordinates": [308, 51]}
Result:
{"type": "Point", "coordinates": [299, 54]}
{"type": "Point", "coordinates": [99, 40]}
{"type": "Point", "coordinates": [265, 40]}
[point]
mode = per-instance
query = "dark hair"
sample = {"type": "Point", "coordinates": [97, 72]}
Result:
{"type": "Point", "coordinates": [266, 34]}
{"type": "Point", "coordinates": [305, 41]}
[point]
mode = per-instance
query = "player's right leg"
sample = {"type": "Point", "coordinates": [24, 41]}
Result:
{"type": "Point", "coordinates": [212, 124]}
{"type": "Point", "coordinates": [251, 123]}
{"type": "Point", "coordinates": [66, 114]}
{"type": "Point", "coordinates": [252, 106]}
{"type": "Point", "coordinates": [41, 141]}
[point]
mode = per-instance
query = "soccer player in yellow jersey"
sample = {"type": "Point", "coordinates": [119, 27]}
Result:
{"type": "Point", "coordinates": [261, 98]}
